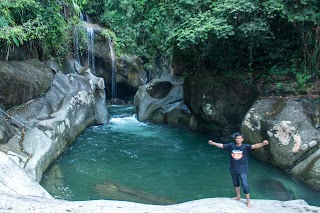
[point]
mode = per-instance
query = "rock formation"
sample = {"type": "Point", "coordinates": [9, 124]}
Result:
{"type": "Point", "coordinates": [130, 76]}
{"type": "Point", "coordinates": [22, 81]}
{"type": "Point", "coordinates": [161, 101]}
{"type": "Point", "coordinates": [45, 126]}
{"type": "Point", "coordinates": [219, 103]}
{"type": "Point", "coordinates": [292, 127]}
{"type": "Point", "coordinates": [291, 124]}
{"type": "Point", "coordinates": [129, 72]}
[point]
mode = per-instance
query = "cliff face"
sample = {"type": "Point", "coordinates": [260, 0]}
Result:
{"type": "Point", "coordinates": [220, 103]}
{"type": "Point", "coordinates": [22, 81]}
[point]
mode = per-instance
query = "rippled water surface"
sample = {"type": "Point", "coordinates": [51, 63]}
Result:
{"type": "Point", "coordinates": [157, 164]}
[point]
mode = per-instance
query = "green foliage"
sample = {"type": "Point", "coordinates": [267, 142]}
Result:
{"type": "Point", "coordinates": [38, 20]}
{"type": "Point", "coordinates": [302, 78]}
{"type": "Point", "coordinates": [3, 22]}
{"type": "Point", "coordinates": [19, 21]}
{"type": "Point", "coordinates": [280, 37]}
{"type": "Point", "coordinates": [275, 70]}
{"type": "Point", "coordinates": [82, 35]}
{"type": "Point", "coordinates": [252, 34]}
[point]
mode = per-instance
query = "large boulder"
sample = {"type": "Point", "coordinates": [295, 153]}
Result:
{"type": "Point", "coordinates": [47, 125]}
{"type": "Point", "coordinates": [130, 76]}
{"type": "Point", "coordinates": [291, 124]}
{"type": "Point", "coordinates": [161, 101]}
{"type": "Point", "coordinates": [22, 81]}
{"type": "Point", "coordinates": [220, 103]}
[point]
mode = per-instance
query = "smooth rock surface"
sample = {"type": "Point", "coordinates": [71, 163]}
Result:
{"type": "Point", "coordinates": [10, 203]}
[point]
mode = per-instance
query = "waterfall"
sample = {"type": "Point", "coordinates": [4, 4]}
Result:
{"type": "Point", "coordinates": [113, 72]}
{"type": "Point", "coordinates": [91, 62]}
{"type": "Point", "coordinates": [90, 43]}
{"type": "Point", "coordinates": [81, 16]}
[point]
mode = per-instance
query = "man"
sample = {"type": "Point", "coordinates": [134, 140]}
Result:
{"type": "Point", "coordinates": [239, 163]}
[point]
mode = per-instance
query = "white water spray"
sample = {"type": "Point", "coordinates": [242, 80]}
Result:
{"type": "Point", "coordinates": [91, 61]}
{"type": "Point", "coordinates": [113, 71]}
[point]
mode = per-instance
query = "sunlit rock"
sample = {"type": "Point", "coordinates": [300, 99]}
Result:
{"type": "Point", "coordinates": [288, 125]}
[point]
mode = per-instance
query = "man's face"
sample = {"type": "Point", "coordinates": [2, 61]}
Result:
{"type": "Point", "coordinates": [239, 140]}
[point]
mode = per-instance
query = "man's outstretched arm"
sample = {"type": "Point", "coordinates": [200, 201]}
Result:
{"type": "Point", "coordinates": [259, 145]}
{"type": "Point", "coordinates": [219, 145]}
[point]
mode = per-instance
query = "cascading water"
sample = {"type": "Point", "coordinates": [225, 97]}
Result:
{"type": "Point", "coordinates": [91, 61]}
{"type": "Point", "coordinates": [81, 16]}
{"type": "Point", "coordinates": [91, 55]}
{"type": "Point", "coordinates": [90, 43]}
{"type": "Point", "coordinates": [113, 72]}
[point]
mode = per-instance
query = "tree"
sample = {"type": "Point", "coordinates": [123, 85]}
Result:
{"type": "Point", "coordinates": [41, 21]}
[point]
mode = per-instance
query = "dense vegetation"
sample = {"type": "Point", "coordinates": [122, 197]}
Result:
{"type": "Point", "coordinates": [204, 36]}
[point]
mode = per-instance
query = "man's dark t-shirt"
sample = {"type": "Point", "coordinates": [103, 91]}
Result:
{"type": "Point", "coordinates": [238, 157]}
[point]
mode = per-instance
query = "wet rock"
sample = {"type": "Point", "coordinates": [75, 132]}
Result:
{"type": "Point", "coordinates": [115, 191]}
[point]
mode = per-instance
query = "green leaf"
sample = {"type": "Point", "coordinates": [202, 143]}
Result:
{"type": "Point", "coordinates": [16, 41]}
{"type": "Point", "coordinates": [3, 22]}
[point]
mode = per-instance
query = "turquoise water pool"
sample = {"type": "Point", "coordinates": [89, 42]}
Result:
{"type": "Point", "coordinates": [158, 164]}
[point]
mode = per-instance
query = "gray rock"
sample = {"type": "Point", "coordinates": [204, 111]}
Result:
{"type": "Point", "coordinates": [290, 127]}
{"type": "Point", "coordinates": [54, 120]}
{"type": "Point", "coordinates": [161, 101]}
{"type": "Point", "coordinates": [22, 81]}
{"type": "Point", "coordinates": [220, 103]}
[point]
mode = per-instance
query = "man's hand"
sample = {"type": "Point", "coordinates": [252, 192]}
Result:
{"type": "Point", "coordinates": [259, 145]}
{"type": "Point", "coordinates": [219, 145]}
{"type": "Point", "coordinates": [210, 142]}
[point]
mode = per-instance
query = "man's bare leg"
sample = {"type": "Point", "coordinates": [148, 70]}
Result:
{"type": "Point", "coordinates": [248, 200]}
{"type": "Point", "coordinates": [238, 197]}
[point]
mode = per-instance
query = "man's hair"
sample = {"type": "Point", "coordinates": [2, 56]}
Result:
{"type": "Point", "coordinates": [238, 134]}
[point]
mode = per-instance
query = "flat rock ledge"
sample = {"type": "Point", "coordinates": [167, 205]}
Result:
{"type": "Point", "coordinates": [16, 203]}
